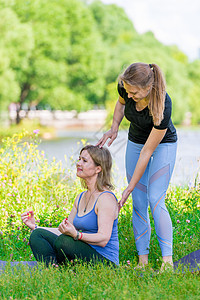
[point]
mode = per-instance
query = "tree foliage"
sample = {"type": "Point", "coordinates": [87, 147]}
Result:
{"type": "Point", "coordinates": [68, 54]}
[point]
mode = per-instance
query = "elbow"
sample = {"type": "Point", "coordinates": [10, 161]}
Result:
{"type": "Point", "coordinates": [103, 239]}
{"type": "Point", "coordinates": [104, 242]}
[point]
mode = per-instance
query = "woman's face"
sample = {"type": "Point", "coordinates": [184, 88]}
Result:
{"type": "Point", "coordinates": [86, 167]}
{"type": "Point", "coordinates": [136, 93]}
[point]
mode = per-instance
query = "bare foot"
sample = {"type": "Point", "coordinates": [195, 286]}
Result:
{"type": "Point", "coordinates": [143, 260]}
{"type": "Point", "coordinates": [144, 267]}
{"type": "Point", "coordinates": [140, 266]}
{"type": "Point", "coordinates": [167, 266]}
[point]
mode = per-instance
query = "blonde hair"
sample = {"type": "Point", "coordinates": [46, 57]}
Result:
{"type": "Point", "coordinates": [101, 157]}
{"type": "Point", "coordinates": [143, 75]}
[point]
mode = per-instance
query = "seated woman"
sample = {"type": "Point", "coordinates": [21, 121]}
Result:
{"type": "Point", "coordinates": [90, 233]}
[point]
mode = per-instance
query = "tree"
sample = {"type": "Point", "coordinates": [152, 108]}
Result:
{"type": "Point", "coordinates": [194, 102]}
{"type": "Point", "coordinates": [67, 54]}
{"type": "Point", "coordinates": [63, 53]}
{"type": "Point", "coordinates": [16, 45]}
{"type": "Point", "coordinates": [117, 32]}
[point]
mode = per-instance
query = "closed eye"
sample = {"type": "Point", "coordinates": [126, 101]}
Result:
{"type": "Point", "coordinates": [85, 160]}
{"type": "Point", "coordinates": [131, 93]}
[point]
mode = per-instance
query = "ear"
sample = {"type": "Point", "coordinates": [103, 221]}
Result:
{"type": "Point", "coordinates": [149, 87]}
{"type": "Point", "coordinates": [98, 169]}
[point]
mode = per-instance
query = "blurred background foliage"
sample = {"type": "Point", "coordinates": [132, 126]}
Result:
{"type": "Point", "coordinates": [68, 54]}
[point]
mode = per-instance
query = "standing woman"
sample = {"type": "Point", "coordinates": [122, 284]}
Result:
{"type": "Point", "coordinates": [150, 153]}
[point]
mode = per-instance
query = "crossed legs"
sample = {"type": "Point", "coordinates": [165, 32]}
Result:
{"type": "Point", "coordinates": [50, 248]}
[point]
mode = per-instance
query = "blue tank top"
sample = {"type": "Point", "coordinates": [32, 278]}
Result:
{"type": "Point", "coordinates": [89, 224]}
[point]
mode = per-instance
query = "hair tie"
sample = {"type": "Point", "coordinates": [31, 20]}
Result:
{"type": "Point", "coordinates": [150, 65]}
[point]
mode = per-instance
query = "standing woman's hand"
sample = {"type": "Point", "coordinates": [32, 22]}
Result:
{"type": "Point", "coordinates": [111, 134]}
{"type": "Point", "coordinates": [28, 219]}
{"type": "Point", "coordinates": [125, 196]}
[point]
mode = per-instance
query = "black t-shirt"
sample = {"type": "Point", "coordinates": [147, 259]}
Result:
{"type": "Point", "coordinates": [142, 123]}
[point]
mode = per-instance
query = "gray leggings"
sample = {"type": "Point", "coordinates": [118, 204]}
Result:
{"type": "Point", "coordinates": [49, 248]}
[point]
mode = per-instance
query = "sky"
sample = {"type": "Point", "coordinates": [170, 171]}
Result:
{"type": "Point", "coordinates": [173, 22]}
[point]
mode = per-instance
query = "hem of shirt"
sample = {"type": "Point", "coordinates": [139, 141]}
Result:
{"type": "Point", "coordinates": [114, 262]}
{"type": "Point", "coordinates": [142, 143]}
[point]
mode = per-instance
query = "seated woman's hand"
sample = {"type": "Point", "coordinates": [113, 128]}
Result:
{"type": "Point", "coordinates": [67, 228]}
{"type": "Point", "coordinates": [28, 219]}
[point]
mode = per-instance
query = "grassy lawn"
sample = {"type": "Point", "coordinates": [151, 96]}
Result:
{"type": "Point", "coordinates": [29, 181]}
{"type": "Point", "coordinates": [99, 282]}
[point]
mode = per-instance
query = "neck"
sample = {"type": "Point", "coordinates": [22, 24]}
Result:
{"type": "Point", "coordinates": [142, 104]}
{"type": "Point", "coordinates": [146, 100]}
{"type": "Point", "coordinates": [91, 185]}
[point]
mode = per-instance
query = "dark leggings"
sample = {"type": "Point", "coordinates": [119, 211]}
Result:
{"type": "Point", "coordinates": [50, 248]}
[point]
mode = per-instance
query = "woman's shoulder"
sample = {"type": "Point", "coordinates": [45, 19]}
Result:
{"type": "Point", "coordinates": [168, 99]}
{"type": "Point", "coordinates": [121, 89]}
{"type": "Point", "coordinates": [107, 203]}
{"type": "Point", "coordinates": [108, 195]}
{"type": "Point", "coordinates": [168, 105]}
{"type": "Point", "coordinates": [108, 191]}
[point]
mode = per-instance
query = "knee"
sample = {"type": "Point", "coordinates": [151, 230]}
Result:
{"type": "Point", "coordinates": [35, 235]}
{"type": "Point", "coordinates": [62, 241]}
{"type": "Point", "coordinates": [63, 247]}
{"type": "Point", "coordinates": [58, 242]}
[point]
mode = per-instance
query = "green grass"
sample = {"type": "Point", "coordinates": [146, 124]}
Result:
{"type": "Point", "coordinates": [97, 282]}
{"type": "Point", "coordinates": [28, 180]}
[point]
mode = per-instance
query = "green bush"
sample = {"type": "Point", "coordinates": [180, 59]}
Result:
{"type": "Point", "coordinates": [28, 181]}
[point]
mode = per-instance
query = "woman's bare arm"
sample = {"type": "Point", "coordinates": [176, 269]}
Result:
{"type": "Point", "coordinates": [117, 118]}
{"type": "Point", "coordinates": [152, 142]}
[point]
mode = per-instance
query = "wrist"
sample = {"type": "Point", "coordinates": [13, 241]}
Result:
{"type": "Point", "coordinates": [34, 227]}
{"type": "Point", "coordinates": [76, 237]}
{"type": "Point", "coordinates": [129, 189]}
{"type": "Point", "coordinates": [115, 128]}
{"type": "Point", "coordinates": [80, 236]}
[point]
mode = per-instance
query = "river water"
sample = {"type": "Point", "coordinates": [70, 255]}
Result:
{"type": "Point", "coordinates": [68, 143]}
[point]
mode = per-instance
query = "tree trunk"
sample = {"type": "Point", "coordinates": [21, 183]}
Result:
{"type": "Point", "coordinates": [24, 92]}
{"type": "Point", "coordinates": [18, 119]}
